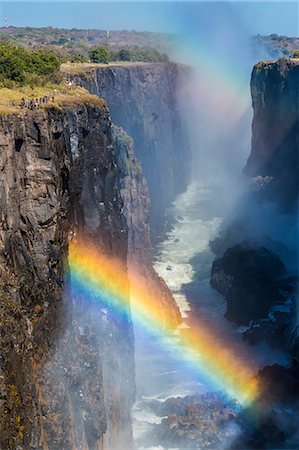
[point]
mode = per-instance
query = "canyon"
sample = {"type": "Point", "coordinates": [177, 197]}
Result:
{"type": "Point", "coordinates": [107, 170]}
{"type": "Point", "coordinates": [67, 368]}
{"type": "Point", "coordinates": [144, 99]}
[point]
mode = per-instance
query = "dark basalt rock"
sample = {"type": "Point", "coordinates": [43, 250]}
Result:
{"type": "Point", "coordinates": [143, 100]}
{"type": "Point", "coordinates": [273, 161]}
{"type": "Point", "coordinates": [247, 278]}
{"type": "Point", "coordinates": [271, 421]}
{"type": "Point", "coordinates": [265, 435]}
{"type": "Point", "coordinates": [279, 384]}
{"type": "Point", "coordinates": [135, 195]}
{"type": "Point", "coordinates": [277, 328]}
{"type": "Point", "coordinates": [67, 367]}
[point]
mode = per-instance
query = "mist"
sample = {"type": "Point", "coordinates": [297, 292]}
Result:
{"type": "Point", "coordinates": [217, 101]}
{"type": "Point", "coordinates": [218, 46]}
{"type": "Point", "coordinates": [215, 41]}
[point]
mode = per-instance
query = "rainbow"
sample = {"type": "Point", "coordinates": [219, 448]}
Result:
{"type": "Point", "coordinates": [105, 279]}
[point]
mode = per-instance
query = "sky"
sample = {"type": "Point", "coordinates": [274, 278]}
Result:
{"type": "Point", "coordinates": [166, 16]}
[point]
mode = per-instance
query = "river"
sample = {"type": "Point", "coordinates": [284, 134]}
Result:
{"type": "Point", "coordinates": [184, 261]}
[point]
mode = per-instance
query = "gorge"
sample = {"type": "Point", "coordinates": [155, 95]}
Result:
{"type": "Point", "coordinates": [72, 177]}
{"type": "Point", "coordinates": [67, 175]}
{"type": "Point", "coordinates": [144, 100]}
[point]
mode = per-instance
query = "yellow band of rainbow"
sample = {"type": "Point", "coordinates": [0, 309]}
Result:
{"type": "Point", "coordinates": [106, 278]}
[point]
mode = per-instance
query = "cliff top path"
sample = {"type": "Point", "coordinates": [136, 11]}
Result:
{"type": "Point", "coordinates": [22, 99]}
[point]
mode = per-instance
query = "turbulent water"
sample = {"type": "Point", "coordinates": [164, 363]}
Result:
{"type": "Point", "coordinates": [184, 261]}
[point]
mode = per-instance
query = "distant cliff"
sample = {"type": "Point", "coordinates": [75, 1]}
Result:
{"type": "Point", "coordinates": [268, 208]}
{"type": "Point", "coordinates": [256, 251]}
{"type": "Point", "coordinates": [273, 161]}
{"type": "Point", "coordinates": [67, 370]}
{"type": "Point", "coordinates": [143, 100]}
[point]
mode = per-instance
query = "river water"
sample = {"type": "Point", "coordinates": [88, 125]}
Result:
{"type": "Point", "coordinates": [184, 261]}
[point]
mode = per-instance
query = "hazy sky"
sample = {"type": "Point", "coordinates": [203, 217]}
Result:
{"type": "Point", "coordinates": [258, 17]}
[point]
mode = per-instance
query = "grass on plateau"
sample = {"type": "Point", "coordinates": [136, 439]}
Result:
{"type": "Point", "coordinates": [64, 96]}
{"type": "Point", "coordinates": [73, 68]}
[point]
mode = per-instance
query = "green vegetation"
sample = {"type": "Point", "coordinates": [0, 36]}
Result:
{"type": "Point", "coordinates": [78, 58]}
{"type": "Point", "coordinates": [19, 66]}
{"type": "Point", "coordinates": [103, 56]}
{"type": "Point", "coordinates": [296, 53]}
{"type": "Point", "coordinates": [61, 95]}
{"type": "Point", "coordinates": [35, 79]}
{"type": "Point", "coordinates": [140, 54]}
{"type": "Point", "coordinates": [124, 54]}
{"type": "Point", "coordinates": [70, 42]}
{"type": "Point", "coordinates": [99, 55]}
{"type": "Point", "coordinates": [32, 56]}
{"type": "Point", "coordinates": [278, 45]}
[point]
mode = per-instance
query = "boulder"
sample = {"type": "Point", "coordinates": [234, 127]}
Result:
{"type": "Point", "coordinates": [247, 277]}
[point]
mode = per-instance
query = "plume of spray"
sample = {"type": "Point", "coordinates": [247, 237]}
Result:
{"type": "Point", "coordinates": [216, 104]}
{"type": "Point", "coordinates": [216, 41]}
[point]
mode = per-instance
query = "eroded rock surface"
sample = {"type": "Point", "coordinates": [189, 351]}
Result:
{"type": "Point", "coordinates": [143, 99]}
{"type": "Point", "coordinates": [136, 200]}
{"type": "Point", "coordinates": [67, 372]}
{"type": "Point", "coordinates": [273, 161]}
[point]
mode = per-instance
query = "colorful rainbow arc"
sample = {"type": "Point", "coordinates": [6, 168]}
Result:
{"type": "Point", "coordinates": [99, 277]}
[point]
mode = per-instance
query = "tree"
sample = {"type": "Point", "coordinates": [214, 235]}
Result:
{"type": "Point", "coordinates": [124, 54]}
{"type": "Point", "coordinates": [99, 55]}
{"type": "Point", "coordinates": [78, 58]}
{"type": "Point", "coordinates": [21, 66]}
{"type": "Point", "coordinates": [296, 54]}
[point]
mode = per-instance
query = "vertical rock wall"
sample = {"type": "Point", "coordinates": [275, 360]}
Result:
{"type": "Point", "coordinates": [273, 160]}
{"type": "Point", "coordinates": [135, 195]}
{"type": "Point", "coordinates": [143, 100]}
{"type": "Point", "coordinates": [67, 375]}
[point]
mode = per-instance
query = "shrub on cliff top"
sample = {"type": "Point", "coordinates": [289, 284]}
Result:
{"type": "Point", "coordinates": [78, 58]}
{"type": "Point", "coordinates": [99, 55]}
{"type": "Point", "coordinates": [20, 66]}
{"type": "Point", "coordinates": [296, 54]}
{"type": "Point", "coordinates": [104, 56]}
{"type": "Point", "coordinates": [140, 54]}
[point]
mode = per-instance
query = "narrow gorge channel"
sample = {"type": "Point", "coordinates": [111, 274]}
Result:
{"type": "Point", "coordinates": [184, 260]}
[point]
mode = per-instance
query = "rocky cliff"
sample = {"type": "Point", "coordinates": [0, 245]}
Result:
{"type": "Point", "coordinates": [269, 207]}
{"type": "Point", "coordinates": [66, 373]}
{"type": "Point", "coordinates": [273, 161]}
{"type": "Point", "coordinates": [259, 240]}
{"type": "Point", "coordinates": [135, 196]}
{"type": "Point", "coordinates": [143, 100]}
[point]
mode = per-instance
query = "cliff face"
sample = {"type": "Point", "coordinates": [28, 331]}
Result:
{"type": "Point", "coordinates": [143, 100]}
{"type": "Point", "coordinates": [261, 237]}
{"type": "Point", "coordinates": [273, 162]}
{"type": "Point", "coordinates": [135, 195]}
{"type": "Point", "coordinates": [67, 373]}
